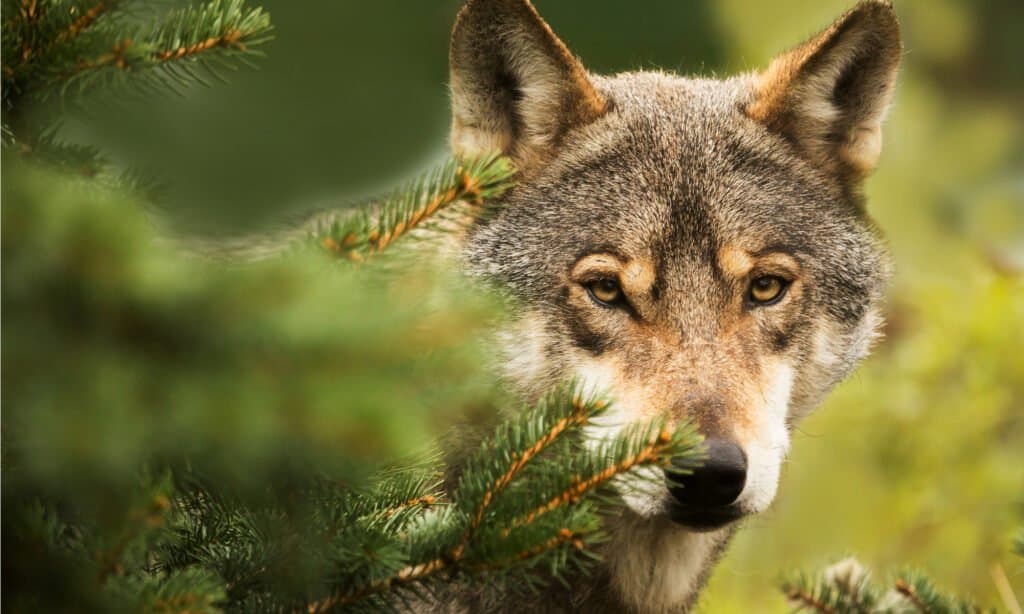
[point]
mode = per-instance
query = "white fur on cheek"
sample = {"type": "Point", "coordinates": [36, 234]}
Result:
{"type": "Point", "coordinates": [770, 442]}
{"type": "Point", "coordinates": [642, 490]}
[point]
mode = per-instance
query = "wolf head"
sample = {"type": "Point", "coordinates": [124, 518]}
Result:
{"type": "Point", "coordinates": [697, 248]}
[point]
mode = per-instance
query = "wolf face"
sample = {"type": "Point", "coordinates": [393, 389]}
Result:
{"type": "Point", "coordinates": [696, 248]}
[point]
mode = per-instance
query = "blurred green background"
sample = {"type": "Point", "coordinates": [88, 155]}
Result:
{"type": "Point", "coordinates": [919, 459]}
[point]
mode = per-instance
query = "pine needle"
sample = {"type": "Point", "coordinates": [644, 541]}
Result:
{"type": "Point", "coordinates": [473, 183]}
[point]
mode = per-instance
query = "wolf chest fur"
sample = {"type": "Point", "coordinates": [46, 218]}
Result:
{"type": "Point", "coordinates": [696, 248]}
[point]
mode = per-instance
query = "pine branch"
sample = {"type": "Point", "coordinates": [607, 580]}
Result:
{"type": "Point", "coordinates": [910, 592]}
{"type": "Point", "coordinates": [922, 596]}
{"type": "Point", "coordinates": [803, 594]}
{"type": "Point", "coordinates": [74, 47]}
{"type": "Point", "coordinates": [88, 18]}
{"type": "Point", "coordinates": [844, 588]}
{"type": "Point", "coordinates": [483, 536]}
{"type": "Point", "coordinates": [580, 415]}
{"type": "Point", "coordinates": [364, 234]}
{"type": "Point", "coordinates": [650, 445]}
{"type": "Point", "coordinates": [164, 56]}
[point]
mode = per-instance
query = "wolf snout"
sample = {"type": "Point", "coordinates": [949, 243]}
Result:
{"type": "Point", "coordinates": [704, 496]}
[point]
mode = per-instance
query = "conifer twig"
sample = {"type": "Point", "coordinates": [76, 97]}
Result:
{"type": "Point", "coordinates": [499, 464]}
{"type": "Point", "coordinates": [157, 56]}
{"type": "Point", "coordinates": [579, 417]}
{"type": "Point", "coordinates": [907, 590]}
{"type": "Point", "coordinates": [425, 502]}
{"type": "Point", "coordinates": [474, 182]}
{"type": "Point", "coordinates": [805, 599]}
{"type": "Point", "coordinates": [564, 536]}
{"type": "Point", "coordinates": [408, 574]}
{"type": "Point", "coordinates": [87, 18]}
{"type": "Point", "coordinates": [652, 453]}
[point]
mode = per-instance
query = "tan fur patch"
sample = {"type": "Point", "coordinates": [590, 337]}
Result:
{"type": "Point", "coordinates": [735, 262]}
{"type": "Point", "coordinates": [637, 277]}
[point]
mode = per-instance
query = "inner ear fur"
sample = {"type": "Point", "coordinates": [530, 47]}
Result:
{"type": "Point", "coordinates": [830, 95]}
{"type": "Point", "coordinates": [515, 86]}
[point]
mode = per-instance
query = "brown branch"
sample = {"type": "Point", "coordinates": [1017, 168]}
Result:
{"type": "Point", "coordinates": [87, 19]}
{"type": "Point", "coordinates": [29, 13]}
{"type": "Point", "coordinates": [905, 589]}
{"type": "Point", "coordinates": [29, 9]}
{"type": "Point", "coordinates": [649, 454]}
{"type": "Point", "coordinates": [807, 599]}
{"type": "Point", "coordinates": [564, 536]}
{"type": "Point", "coordinates": [424, 501]}
{"type": "Point", "coordinates": [116, 57]}
{"type": "Point", "coordinates": [408, 574]}
{"type": "Point", "coordinates": [230, 38]}
{"type": "Point", "coordinates": [578, 417]}
{"type": "Point", "coordinates": [414, 573]}
{"type": "Point", "coordinates": [468, 188]}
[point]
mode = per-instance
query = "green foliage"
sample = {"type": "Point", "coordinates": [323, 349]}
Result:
{"type": "Point", "coordinates": [222, 422]}
{"type": "Point", "coordinates": [847, 588]}
{"type": "Point", "coordinates": [186, 435]}
{"type": "Point", "coordinates": [524, 511]}
{"type": "Point", "coordinates": [466, 186]}
{"type": "Point", "coordinates": [70, 46]}
{"type": "Point", "coordinates": [65, 49]}
{"type": "Point", "coordinates": [250, 360]}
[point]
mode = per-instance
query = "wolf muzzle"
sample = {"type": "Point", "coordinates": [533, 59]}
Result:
{"type": "Point", "coordinates": [704, 496]}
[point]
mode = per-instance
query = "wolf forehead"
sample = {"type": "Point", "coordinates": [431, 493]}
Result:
{"type": "Point", "coordinates": [676, 174]}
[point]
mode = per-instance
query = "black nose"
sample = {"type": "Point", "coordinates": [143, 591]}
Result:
{"type": "Point", "coordinates": [719, 481]}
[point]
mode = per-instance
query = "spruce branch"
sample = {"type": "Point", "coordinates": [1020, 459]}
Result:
{"type": "Point", "coordinates": [804, 594]}
{"type": "Point", "coordinates": [487, 533]}
{"type": "Point", "coordinates": [85, 20]}
{"type": "Point", "coordinates": [69, 48]}
{"type": "Point", "coordinates": [472, 182]}
{"type": "Point", "coordinates": [165, 55]}
{"type": "Point", "coordinates": [642, 446]}
{"type": "Point", "coordinates": [845, 588]}
{"type": "Point", "coordinates": [580, 414]}
{"type": "Point", "coordinates": [910, 592]}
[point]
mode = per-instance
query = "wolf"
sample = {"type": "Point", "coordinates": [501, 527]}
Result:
{"type": "Point", "coordinates": [697, 247]}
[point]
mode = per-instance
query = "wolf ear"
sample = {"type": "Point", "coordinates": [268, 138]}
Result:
{"type": "Point", "coordinates": [830, 95]}
{"type": "Point", "coordinates": [515, 86]}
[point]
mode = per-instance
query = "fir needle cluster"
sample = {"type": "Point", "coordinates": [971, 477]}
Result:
{"type": "Point", "coordinates": [456, 192]}
{"type": "Point", "coordinates": [847, 587]}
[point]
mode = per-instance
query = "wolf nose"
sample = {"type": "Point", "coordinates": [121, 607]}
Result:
{"type": "Point", "coordinates": [719, 481]}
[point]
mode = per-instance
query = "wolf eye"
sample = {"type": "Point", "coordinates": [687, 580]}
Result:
{"type": "Point", "coordinates": [605, 291]}
{"type": "Point", "coordinates": [767, 290]}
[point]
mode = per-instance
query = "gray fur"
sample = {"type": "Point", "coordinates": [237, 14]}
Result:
{"type": "Point", "coordinates": [668, 174]}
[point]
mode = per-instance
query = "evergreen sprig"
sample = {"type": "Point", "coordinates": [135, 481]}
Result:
{"type": "Point", "coordinates": [486, 531]}
{"type": "Point", "coordinates": [69, 47]}
{"type": "Point", "coordinates": [423, 203]}
{"type": "Point", "coordinates": [846, 588]}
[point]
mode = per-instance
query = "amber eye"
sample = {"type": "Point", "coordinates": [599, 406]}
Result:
{"type": "Point", "coordinates": [768, 289]}
{"type": "Point", "coordinates": [605, 291]}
